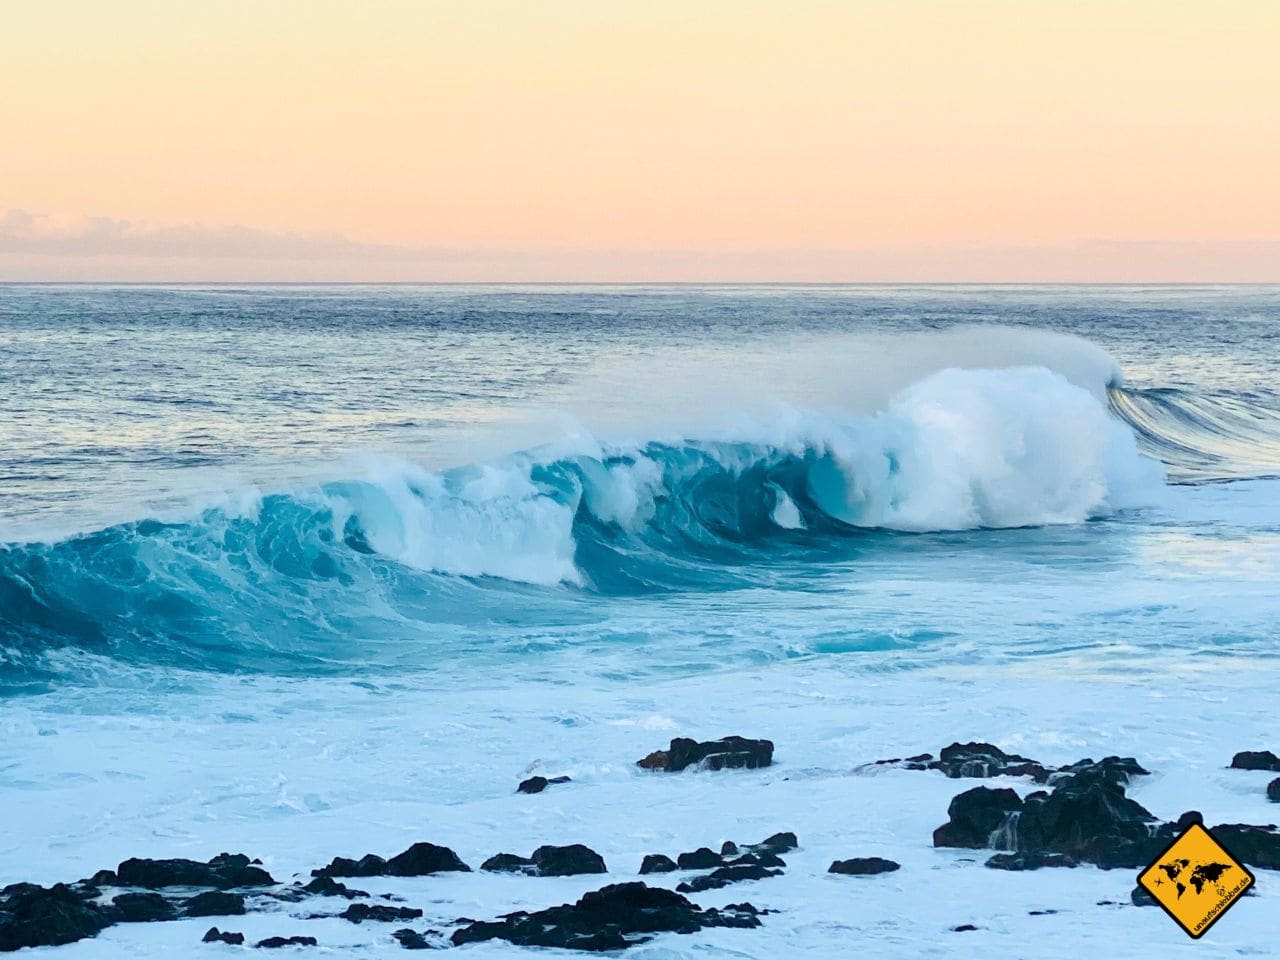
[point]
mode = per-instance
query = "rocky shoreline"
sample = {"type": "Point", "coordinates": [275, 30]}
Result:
{"type": "Point", "coordinates": [1081, 817]}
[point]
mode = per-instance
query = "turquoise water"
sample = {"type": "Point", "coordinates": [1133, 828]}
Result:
{"type": "Point", "coordinates": [345, 481]}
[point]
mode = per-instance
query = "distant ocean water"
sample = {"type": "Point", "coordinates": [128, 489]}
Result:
{"type": "Point", "coordinates": [318, 571]}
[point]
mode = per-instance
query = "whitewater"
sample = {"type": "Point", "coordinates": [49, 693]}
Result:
{"type": "Point", "coordinates": [315, 571]}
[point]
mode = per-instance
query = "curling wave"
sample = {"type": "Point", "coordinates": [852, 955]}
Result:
{"type": "Point", "coordinates": [286, 582]}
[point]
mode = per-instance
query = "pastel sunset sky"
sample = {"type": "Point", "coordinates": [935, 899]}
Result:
{"type": "Point", "coordinates": [987, 140]}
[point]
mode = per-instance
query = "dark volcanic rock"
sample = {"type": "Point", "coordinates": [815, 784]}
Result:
{"type": "Point", "coordinates": [1030, 861]}
{"type": "Point", "coordinates": [864, 866]}
{"type": "Point", "coordinates": [1273, 790]}
{"type": "Point", "coordinates": [723, 876]}
{"type": "Point", "coordinates": [413, 940]}
{"type": "Point", "coordinates": [370, 865]}
{"type": "Point", "coordinates": [31, 916]}
{"type": "Point", "coordinates": [612, 918]}
{"type": "Point", "coordinates": [984, 760]}
{"type": "Point", "coordinates": [214, 935]}
{"type": "Point", "coordinates": [657, 863]}
{"type": "Point", "coordinates": [1255, 760]}
{"type": "Point", "coordinates": [418, 861]}
{"type": "Point", "coordinates": [510, 863]}
{"type": "Point", "coordinates": [975, 815]}
{"type": "Point", "coordinates": [538, 784]}
{"type": "Point", "coordinates": [273, 942]}
{"type": "Point", "coordinates": [728, 753]}
{"type": "Point", "coordinates": [214, 903]}
{"type": "Point", "coordinates": [778, 843]}
{"type": "Point", "coordinates": [143, 908]}
{"type": "Point", "coordinates": [964, 928]}
{"type": "Point", "coordinates": [701, 859]}
{"type": "Point", "coordinates": [1253, 845]}
{"type": "Point", "coordinates": [223, 871]}
{"type": "Point", "coordinates": [567, 861]}
{"type": "Point", "coordinates": [360, 912]}
{"type": "Point", "coordinates": [103, 878]}
{"type": "Point", "coordinates": [425, 858]}
{"type": "Point", "coordinates": [328, 887]}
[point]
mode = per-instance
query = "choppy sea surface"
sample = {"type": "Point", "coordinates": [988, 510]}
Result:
{"type": "Point", "coordinates": [289, 567]}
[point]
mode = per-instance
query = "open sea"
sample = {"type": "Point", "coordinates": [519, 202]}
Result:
{"type": "Point", "coordinates": [319, 570]}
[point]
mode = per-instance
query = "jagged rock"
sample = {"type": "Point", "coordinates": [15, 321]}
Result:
{"type": "Point", "coordinates": [422, 859]}
{"type": "Point", "coordinates": [31, 916]}
{"type": "Point", "coordinates": [612, 918]}
{"type": "Point", "coordinates": [510, 863]}
{"type": "Point", "coordinates": [214, 903]}
{"type": "Point", "coordinates": [538, 784]}
{"type": "Point", "coordinates": [1257, 846]}
{"type": "Point", "coordinates": [778, 843]}
{"type": "Point", "coordinates": [412, 940]}
{"type": "Point", "coordinates": [864, 866]}
{"type": "Point", "coordinates": [728, 753]}
{"type": "Point", "coordinates": [143, 908]}
{"type": "Point", "coordinates": [1273, 790]}
{"type": "Point", "coordinates": [273, 942]}
{"type": "Point", "coordinates": [223, 871]}
{"type": "Point", "coordinates": [657, 863]}
{"type": "Point", "coordinates": [419, 860]}
{"type": "Point", "coordinates": [567, 861]}
{"type": "Point", "coordinates": [370, 865]}
{"type": "Point", "coordinates": [1030, 861]}
{"type": "Point", "coordinates": [328, 887]}
{"type": "Point", "coordinates": [701, 859]}
{"type": "Point", "coordinates": [1256, 760]}
{"type": "Point", "coordinates": [360, 912]}
{"type": "Point", "coordinates": [975, 815]}
{"type": "Point", "coordinates": [723, 876]}
{"type": "Point", "coordinates": [984, 760]}
{"type": "Point", "coordinates": [214, 935]}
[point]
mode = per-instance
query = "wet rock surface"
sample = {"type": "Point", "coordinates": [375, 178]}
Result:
{"type": "Point", "coordinates": [223, 871]}
{"type": "Point", "coordinates": [549, 861]}
{"type": "Point", "coordinates": [143, 908]}
{"type": "Point", "coordinates": [863, 866]}
{"type": "Point", "coordinates": [214, 903]}
{"type": "Point", "coordinates": [1256, 760]}
{"type": "Point", "coordinates": [419, 860]}
{"type": "Point", "coordinates": [611, 918]}
{"type": "Point", "coordinates": [538, 784]}
{"type": "Point", "coordinates": [380, 913]}
{"type": "Point", "coordinates": [1273, 790]}
{"type": "Point", "coordinates": [32, 916]}
{"type": "Point", "coordinates": [728, 753]}
{"type": "Point", "coordinates": [214, 935]}
{"type": "Point", "coordinates": [272, 943]}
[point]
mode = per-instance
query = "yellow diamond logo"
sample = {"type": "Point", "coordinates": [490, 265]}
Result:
{"type": "Point", "coordinates": [1196, 880]}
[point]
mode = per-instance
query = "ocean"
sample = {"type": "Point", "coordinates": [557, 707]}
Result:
{"type": "Point", "coordinates": [309, 571]}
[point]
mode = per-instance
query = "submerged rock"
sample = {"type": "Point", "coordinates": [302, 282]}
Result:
{"type": "Point", "coordinates": [612, 918]}
{"type": "Point", "coordinates": [223, 871]}
{"type": "Point", "coordinates": [143, 908]}
{"type": "Point", "coordinates": [509, 863]}
{"type": "Point", "coordinates": [538, 784]}
{"type": "Point", "coordinates": [985, 760]}
{"type": "Point", "coordinates": [214, 935]}
{"type": "Point", "coordinates": [863, 866]}
{"type": "Point", "coordinates": [723, 876]}
{"type": "Point", "coordinates": [727, 753]}
{"type": "Point", "coordinates": [1030, 861]}
{"type": "Point", "coordinates": [1273, 790]}
{"type": "Point", "coordinates": [328, 887]}
{"type": "Point", "coordinates": [1256, 760]}
{"type": "Point", "coordinates": [360, 912]}
{"type": "Point", "coordinates": [412, 940]}
{"type": "Point", "coordinates": [31, 916]}
{"type": "Point", "coordinates": [273, 942]}
{"type": "Point", "coordinates": [214, 903]}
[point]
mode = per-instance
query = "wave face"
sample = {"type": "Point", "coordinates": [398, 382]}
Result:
{"type": "Point", "coordinates": [1202, 437]}
{"type": "Point", "coordinates": [285, 582]}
